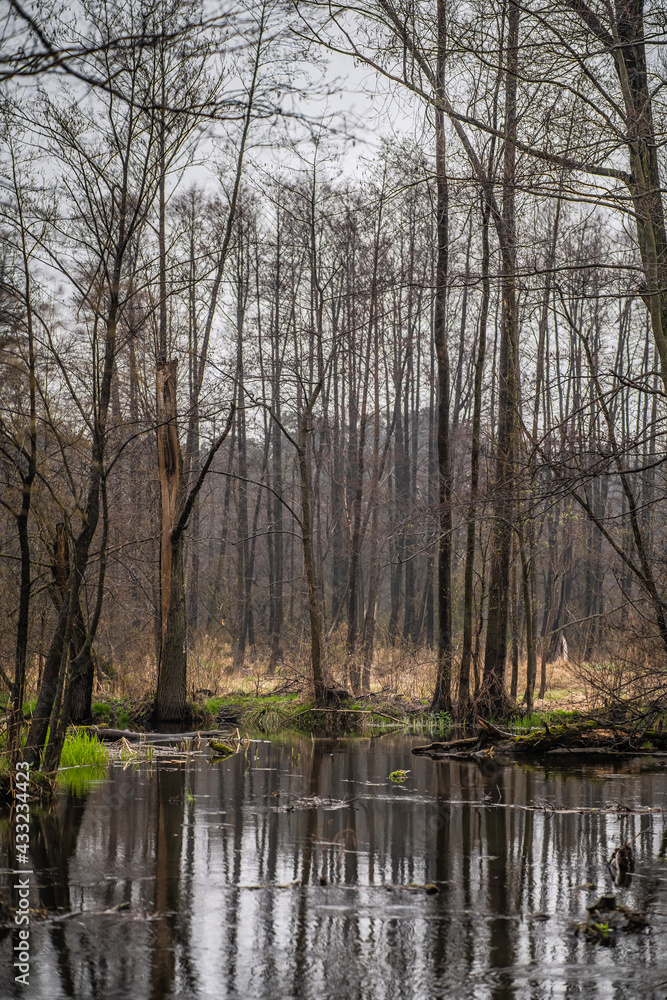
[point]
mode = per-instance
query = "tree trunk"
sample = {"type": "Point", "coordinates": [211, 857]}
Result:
{"type": "Point", "coordinates": [514, 630]}
{"type": "Point", "coordinates": [315, 618]}
{"type": "Point", "coordinates": [56, 660]}
{"type": "Point", "coordinates": [468, 585]}
{"type": "Point", "coordinates": [442, 697]}
{"type": "Point", "coordinates": [278, 549]}
{"type": "Point", "coordinates": [172, 679]}
{"type": "Point", "coordinates": [172, 668]}
{"type": "Point", "coordinates": [504, 489]}
{"type": "Point", "coordinates": [17, 691]}
{"type": "Point", "coordinates": [528, 604]}
{"type": "Point", "coordinates": [629, 54]}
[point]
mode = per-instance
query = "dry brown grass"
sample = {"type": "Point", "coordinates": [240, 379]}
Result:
{"type": "Point", "coordinates": [565, 688]}
{"type": "Point", "coordinates": [398, 673]}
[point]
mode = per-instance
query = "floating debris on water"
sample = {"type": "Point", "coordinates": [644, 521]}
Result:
{"type": "Point", "coordinates": [606, 917]}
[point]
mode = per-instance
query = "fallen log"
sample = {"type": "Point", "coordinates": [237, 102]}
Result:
{"type": "Point", "coordinates": [583, 739]}
{"type": "Point", "coordinates": [449, 747]}
{"type": "Point", "coordinates": [111, 735]}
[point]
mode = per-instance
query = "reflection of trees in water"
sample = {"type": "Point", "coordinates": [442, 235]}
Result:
{"type": "Point", "coordinates": [498, 846]}
{"type": "Point", "coordinates": [185, 865]}
{"type": "Point", "coordinates": [302, 870]}
{"type": "Point", "coordinates": [495, 866]}
{"type": "Point", "coordinates": [440, 867]}
{"type": "Point", "coordinates": [168, 843]}
{"type": "Point", "coordinates": [53, 838]}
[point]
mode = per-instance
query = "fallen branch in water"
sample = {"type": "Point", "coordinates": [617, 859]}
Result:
{"type": "Point", "coordinates": [112, 735]}
{"type": "Point", "coordinates": [59, 917]}
{"type": "Point", "coordinates": [611, 809]}
{"type": "Point", "coordinates": [587, 738]}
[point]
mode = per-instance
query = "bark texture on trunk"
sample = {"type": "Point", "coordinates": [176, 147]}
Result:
{"type": "Point", "coordinates": [172, 678]}
{"type": "Point", "coordinates": [172, 668]}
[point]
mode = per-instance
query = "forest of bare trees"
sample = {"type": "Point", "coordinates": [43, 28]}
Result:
{"type": "Point", "coordinates": [290, 386]}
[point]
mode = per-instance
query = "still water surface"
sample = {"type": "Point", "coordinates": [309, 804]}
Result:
{"type": "Point", "coordinates": [240, 887]}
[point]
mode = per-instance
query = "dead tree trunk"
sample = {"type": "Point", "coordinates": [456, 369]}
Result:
{"type": "Point", "coordinates": [171, 687]}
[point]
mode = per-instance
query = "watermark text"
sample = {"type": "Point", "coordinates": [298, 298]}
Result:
{"type": "Point", "coordinates": [21, 950]}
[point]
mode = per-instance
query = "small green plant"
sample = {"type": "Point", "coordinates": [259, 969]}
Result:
{"type": "Point", "coordinates": [444, 721]}
{"type": "Point", "coordinates": [268, 718]}
{"type": "Point", "coordinates": [113, 712]}
{"type": "Point", "coordinates": [81, 749]}
{"type": "Point", "coordinates": [601, 933]}
{"type": "Point", "coordinates": [536, 720]}
{"type": "Point", "coordinates": [431, 724]}
{"type": "Point", "coordinates": [399, 776]}
{"type": "Point", "coordinates": [524, 723]}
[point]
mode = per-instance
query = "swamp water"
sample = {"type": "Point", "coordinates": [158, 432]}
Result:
{"type": "Point", "coordinates": [286, 875]}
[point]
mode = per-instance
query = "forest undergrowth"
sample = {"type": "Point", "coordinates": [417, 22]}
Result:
{"type": "Point", "coordinates": [400, 690]}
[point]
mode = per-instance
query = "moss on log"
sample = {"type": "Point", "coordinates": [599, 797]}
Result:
{"type": "Point", "coordinates": [587, 737]}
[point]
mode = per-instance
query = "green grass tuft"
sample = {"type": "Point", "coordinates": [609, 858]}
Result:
{"type": "Point", "coordinates": [431, 724]}
{"type": "Point", "coordinates": [114, 712]}
{"type": "Point", "coordinates": [536, 720]}
{"type": "Point", "coordinates": [81, 749]}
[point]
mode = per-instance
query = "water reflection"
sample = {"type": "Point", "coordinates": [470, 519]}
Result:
{"type": "Point", "coordinates": [299, 872]}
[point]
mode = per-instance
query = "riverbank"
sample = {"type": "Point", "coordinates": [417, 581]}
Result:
{"type": "Point", "coordinates": [278, 712]}
{"type": "Point", "coordinates": [273, 713]}
{"type": "Point", "coordinates": [613, 733]}
{"type": "Point", "coordinates": [254, 699]}
{"type": "Point", "coordinates": [575, 737]}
